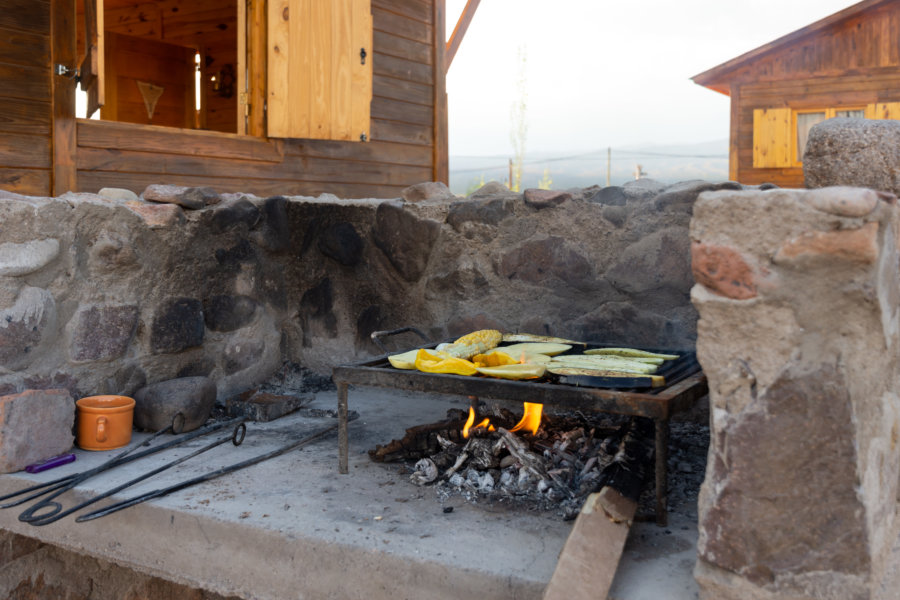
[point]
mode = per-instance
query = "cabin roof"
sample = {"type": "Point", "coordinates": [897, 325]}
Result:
{"type": "Point", "coordinates": [718, 77]}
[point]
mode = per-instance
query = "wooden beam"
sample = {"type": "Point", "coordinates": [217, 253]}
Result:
{"type": "Point", "coordinates": [440, 137]}
{"type": "Point", "coordinates": [256, 61]}
{"type": "Point", "coordinates": [459, 31]}
{"type": "Point", "coordinates": [63, 52]}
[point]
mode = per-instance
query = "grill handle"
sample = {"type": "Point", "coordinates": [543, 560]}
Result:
{"type": "Point", "coordinates": [377, 335]}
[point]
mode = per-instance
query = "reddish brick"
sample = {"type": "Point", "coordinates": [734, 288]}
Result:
{"type": "Point", "coordinates": [850, 245]}
{"type": "Point", "coordinates": [723, 270]}
{"type": "Point", "coordinates": [34, 426]}
{"type": "Point", "coordinates": [157, 215]}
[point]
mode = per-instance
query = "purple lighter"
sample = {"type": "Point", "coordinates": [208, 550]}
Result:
{"type": "Point", "coordinates": [62, 459]}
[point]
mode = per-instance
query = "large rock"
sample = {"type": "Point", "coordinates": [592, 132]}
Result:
{"type": "Point", "coordinates": [34, 426]}
{"type": "Point", "coordinates": [178, 325]}
{"type": "Point", "coordinates": [102, 332]}
{"type": "Point", "coordinates": [26, 327]}
{"type": "Point", "coordinates": [853, 152]}
{"type": "Point", "coordinates": [156, 405]}
{"type": "Point", "coordinates": [28, 257]}
{"type": "Point", "coordinates": [797, 293]}
{"type": "Point", "coordinates": [405, 239]}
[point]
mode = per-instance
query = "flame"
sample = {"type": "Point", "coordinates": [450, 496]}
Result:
{"type": "Point", "coordinates": [485, 424]}
{"type": "Point", "coordinates": [522, 361]}
{"type": "Point", "coordinates": [531, 420]}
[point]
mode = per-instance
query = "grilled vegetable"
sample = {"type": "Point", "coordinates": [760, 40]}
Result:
{"type": "Point", "coordinates": [610, 363]}
{"type": "Point", "coordinates": [405, 360]}
{"type": "Point", "coordinates": [474, 343]}
{"type": "Point", "coordinates": [530, 337]}
{"type": "Point", "coordinates": [442, 363]}
{"type": "Point", "coordinates": [629, 379]}
{"type": "Point", "coordinates": [493, 359]}
{"type": "Point", "coordinates": [514, 371]}
{"type": "Point", "coordinates": [550, 349]}
{"type": "Point", "coordinates": [631, 352]}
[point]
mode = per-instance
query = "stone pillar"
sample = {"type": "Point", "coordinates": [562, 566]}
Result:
{"type": "Point", "coordinates": [798, 294]}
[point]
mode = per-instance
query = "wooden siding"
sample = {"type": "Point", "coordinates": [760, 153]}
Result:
{"type": "Point", "coordinates": [877, 86]}
{"type": "Point", "coordinates": [399, 154]}
{"type": "Point", "coordinates": [26, 105]}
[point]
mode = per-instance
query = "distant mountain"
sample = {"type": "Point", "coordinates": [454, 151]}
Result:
{"type": "Point", "coordinates": [668, 164]}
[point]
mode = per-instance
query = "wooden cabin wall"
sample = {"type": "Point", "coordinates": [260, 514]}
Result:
{"type": "Point", "coordinates": [399, 154]}
{"type": "Point", "coordinates": [882, 85]}
{"type": "Point", "coordinates": [26, 105]}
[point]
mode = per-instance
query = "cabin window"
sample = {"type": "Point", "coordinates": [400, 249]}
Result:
{"type": "Point", "coordinates": [282, 68]}
{"type": "Point", "coordinates": [780, 134]}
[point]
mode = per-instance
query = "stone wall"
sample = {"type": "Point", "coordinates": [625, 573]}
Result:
{"type": "Point", "coordinates": [799, 306]}
{"type": "Point", "coordinates": [105, 293]}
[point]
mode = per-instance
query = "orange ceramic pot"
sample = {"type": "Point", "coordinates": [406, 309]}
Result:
{"type": "Point", "coordinates": [104, 422]}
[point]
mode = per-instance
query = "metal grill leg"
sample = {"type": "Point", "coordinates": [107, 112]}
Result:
{"type": "Point", "coordinates": [343, 434]}
{"type": "Point", "coordinates": [662, 459]}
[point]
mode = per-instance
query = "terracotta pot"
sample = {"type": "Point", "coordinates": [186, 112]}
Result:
{"type": "Point", "coordinates": [104, 422]}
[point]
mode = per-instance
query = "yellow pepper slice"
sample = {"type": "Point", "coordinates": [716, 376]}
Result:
{"type": "Point", "coordinates": [442, 363]}
{"type": "Point", "coordinates": [494, 359]}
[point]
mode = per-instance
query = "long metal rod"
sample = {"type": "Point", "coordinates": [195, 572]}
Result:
{"type": "Point", "coordinates": [29, 515]}
{"type": "Point", "coordinates": [70, 481]}
{"type": "Point", "coordinates": [200, 479]}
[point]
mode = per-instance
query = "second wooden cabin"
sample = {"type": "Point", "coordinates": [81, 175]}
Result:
{"type": "Point", "coordinates": [846, 65]}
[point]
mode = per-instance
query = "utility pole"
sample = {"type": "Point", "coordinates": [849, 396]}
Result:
{"type": "Point", "coordinates": [608, 163]}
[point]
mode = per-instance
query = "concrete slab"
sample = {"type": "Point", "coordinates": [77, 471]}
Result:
{"type": "Point", "coordinates": [292, 527]}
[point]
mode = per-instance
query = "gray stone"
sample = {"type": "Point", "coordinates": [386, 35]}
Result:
{"type": "Point", "coordinates": [227, 313]}
{"type": "Point", "coordinates": [156, 405]}
{"type": "Point", "coordinates": [853, 152]}
{"type": "Point", "coordinates": [102, 332]}
{"type": "Point", "coordinates": [488, 211]}
{"type": "Point", "coordinates": [273, 233]}
{"type": "Point", "coordinates": [540, 199]}
{"type": "Point", "coordinates": [617, 215]}
{"type": "Point", "coordinates": [26, 327]}
{"type": "Point", "coordinates": [546, 261]}
{"type": "Point", "coordinates": [191, 198]}
{"type": "Point", "coordinates": [177, 326]}
{"type": "Point", "coordinates": [241, 353]}
{"type": "Point", "coordinates": [231, 259]}
{"type": "Point", "coordinates": [681, 196]}
{"type": "Point", "coordinates": [117, 194]}
{"type": "Point", "coordinates": [430, 190]}
{"type": "Point", "coordinates": [342, 243]}
{"type": "Point", "coordinates": [21, 259]}
{"type": "Point", "coordinates": [659, 260]}
{"type": "Point", "coordinates": [612, 195]}
{"type": "Point", "coordinates": [623, 323]}
{"type": "Point", "coordinates": [316, 313]}
{"type": "Point", "coordinates": [405, 239]}
{"type": "Point", "coordinates": [642, 189]}
{"type": "Point", "coordinates": [491, 188]}
{"type": "Point", "coordinates": [231, 213]}
{"type": "Point", "coordinates": [34, 425]}
{"type": "Point", "coordinates": [112, 252]}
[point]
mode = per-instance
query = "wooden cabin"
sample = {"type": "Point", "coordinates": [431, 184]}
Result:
{"type": "Point", "coordinates": [845, 65]}
{"type": "Point", "coordinates": [260, 96]}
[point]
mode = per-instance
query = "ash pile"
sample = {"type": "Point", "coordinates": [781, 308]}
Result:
{"type": "Point", "coordinates": [554, 468]}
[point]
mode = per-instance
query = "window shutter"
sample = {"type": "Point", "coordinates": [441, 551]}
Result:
{"type": "Point", "coordinates": [91, 68]}
{"type": "Point", "coordinates": [319, 69]}
{"type": "Point", "coordinates": [771, 138]}
{"type": "Point", "coordinates": [883, 110]}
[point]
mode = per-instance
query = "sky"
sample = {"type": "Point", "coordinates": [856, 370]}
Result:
{"type": "Point", "coordinates": [600, 73]}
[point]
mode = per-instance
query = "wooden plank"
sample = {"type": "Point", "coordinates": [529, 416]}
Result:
{"type": "Point", "coordinates": [30, 182]}
{"type": "Point", "coordinates": [401, 26]}
{"type": "Point", "coordinates": [419, 10]}
{"type": "Point", "coordinates": [403, 69]}
{"type": "Point", "coordinates": [320, 52]}
{"type": "Point", "coordinates": [459, 31]}
{"type": "Point", "coordinates": [734, 126]}
{"type": "Point", "coordinates": [25, 116]}
{"type": "Point", "coordinates": [25, 82]}
{"type": "Point", "coordinates": [26, 15]}
{"type": "Point", "coordinates": [392, 131]}
{"type": "Point", "coordinates": [28, 49]}
{"type": "Point", "coordinates": [342, 70]}
{"type": "Point", "coordinates": [143, 20]}
{"type": "Point", "coordinates": [279, 68]}
{"type": "Point", "coordinates": [590, 556]}
{"type": "Point", "coordinates": [392, 45]}
{"type": "Point", "coordinates": [771, 137]}
{"type": "Point", "coordinates": [400, 89]}
{"type": "Point", "coordinates": [362, 83]}
{"type": "Point", "coordinates": [381, 152]}
{"type": "Point", "coordinates": [150, 138]}
{"type": "Point", "coordinates": [19, 150]}
{"type": "Point", "coordinates": [242, 87]}
{"type": "Point", "coordinates": [257, 66]}
{"type": "Point", "coordinates": [440, 132]}
{"type": "Point", "coordinates": [63, 51]}
{"type": "Point", "coordinates": [93, 67]}
{"type": "Point", "coordinates": [404, 112]}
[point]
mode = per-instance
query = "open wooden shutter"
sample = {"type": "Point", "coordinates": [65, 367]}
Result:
{"type": "Point", "coordinates": [91, 68]}
{"type": "Point", "coordinates": [883, 110]}
{"type": "Point", "coordinates": [771, 138]}
{"type": "Point", "coordinates": [319, 69]}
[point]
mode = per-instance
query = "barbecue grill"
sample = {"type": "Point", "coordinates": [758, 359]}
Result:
{"type": "Point", "coordinates": [684, 384]}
